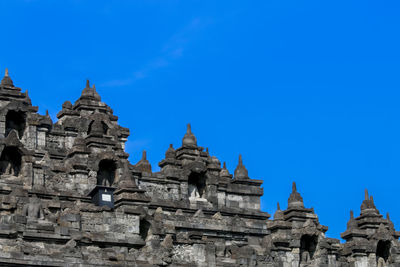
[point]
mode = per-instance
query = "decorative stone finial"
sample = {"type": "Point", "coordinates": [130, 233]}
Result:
{"type": "Point", "coordinates": [6, 79]}
{"type": "Point", "coordinates": [189, 139]}
{"type": "Point", "coordinates": [90, 93]}
{"type": "Point", "coordinates": [144, 165]}
{"type": "Point", "coordinates": [278, 213]}
{"type": "Point", "coordinates": [170, 154]}
{"type": "Point", "coordinates": [368, 203]}
{"type": "Point", "coordinates": [224, 171]}
{"type": "Point", "coordinates": [351, 224]}
{"type": "Point", "coordinates": [241, 171]}
{"type": "Point", "coordinates": [67, 105]}
{"type": "Point", "coordinates": [295, 199]}
{"type": "Point", "coordinates": [390, 223]}
{"type": "Point", "coordinates": [126, 180]}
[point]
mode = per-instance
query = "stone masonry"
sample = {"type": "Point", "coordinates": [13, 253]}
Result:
{"type": "Point", "coordinates": [70, 197]}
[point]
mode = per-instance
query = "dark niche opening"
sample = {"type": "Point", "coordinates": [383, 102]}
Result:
{"type": "Point", "coordinates": [106, 172]}
{"type": "Point", "coordinates": [15, 121]}
{"type": "Point", "coordinates": [10, 161]}
{"type": "Point", "coordinates": [196, 185]}
{"type": "Point", "coordinates": [383, 250]}
{"type": "Point", "coordinates": [308, 245]}
{"type": "Point", "coordinates": [144, 228]}
{"type": "Point", "coordinates": [98, 127]}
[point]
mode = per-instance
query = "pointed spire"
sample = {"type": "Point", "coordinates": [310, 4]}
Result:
{"type": "Point", "coordinates": [189, 139]}
{"type": "Point", "coordinates": [224, 171]}
{"type": "Point", "coordinates": [90, 93]}
{"type": "Point", "coordinates": [7, 80]}
{"type": "Point", "coordinates": [241, 171]}
{"type": "Point", "coordinates": [144, 165]}
{"type": "Point", "coordinates": [278, 213]}
{"type": "Point", "coordinates": [47, 113]}
{"type": "Point", "coordinates": [390, 223]}
{"type": "Point", "coordinates": [126, 180]}
{"type": "Point", "coordinates": [368, 203]}
{"type": "Point", "coordinates": [351, 224]}
{"type": "Point", "coordinates": [170, 153]}
{"type": "Point", "coordinates": [295, 199]}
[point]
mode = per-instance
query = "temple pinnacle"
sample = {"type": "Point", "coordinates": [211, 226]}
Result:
{"type": "Point", "coordinates": [278, 207]}
{"type": "Point", "coordinates": [87, 84]}
{"type": "Point", "coordinates": [189, 139]}
{"type": "Point", "coordinates": [144, 155]}
{"type": "Point", "coordinates": [241, 171]}
{"type": "Point", "coordinates": [295, 199]}
{"type": "Point", "coordinates": [366, 194]}
{"type": "Point", "coordinates": [351, 214]}
{"type": "Point", "coordinates": [6, 79]}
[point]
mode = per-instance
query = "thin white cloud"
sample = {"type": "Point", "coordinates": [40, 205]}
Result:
{"type": "Point", "coordinates": [171, 51]}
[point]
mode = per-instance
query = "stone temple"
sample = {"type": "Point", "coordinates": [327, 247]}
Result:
{"type": "Point", "coordinates": [70, 197]}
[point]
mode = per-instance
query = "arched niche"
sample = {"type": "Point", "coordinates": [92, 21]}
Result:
{"type": "Point", "coordinates": [15, 120]}
{"type": "Point", "coordinates": [383, 250]}
{"type": "Point", "coordinates": [10, 161]}
{"type": "Point", "coordinates": [98, 127]}
{"type": "Point", "coordinates": [197, 185]}
{"type": "Point", "coordinates": [144, 228]}
{"type": "Point", "coordinates": [106, 172]}
{"type": "Point", "coordinates": [308, 245]}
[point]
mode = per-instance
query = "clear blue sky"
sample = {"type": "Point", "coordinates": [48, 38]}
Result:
{"type": "Point", "coordinates": [307, 91]}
